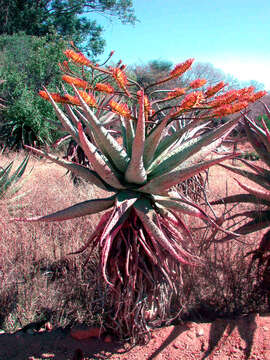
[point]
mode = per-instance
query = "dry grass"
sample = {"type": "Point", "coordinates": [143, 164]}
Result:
{"type": "Point", "coordinates": [37, 276]}
{"type": "Point", "coordinates": [39, 280]}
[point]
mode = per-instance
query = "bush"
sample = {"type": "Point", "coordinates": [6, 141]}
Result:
{"type": "Point", "coordinates": [27, 63]}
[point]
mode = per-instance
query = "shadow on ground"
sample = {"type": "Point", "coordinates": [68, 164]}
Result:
{"type": "Point", "coordinates": [58, 344]}
{"type": "Point", "coordinates": [222, 329]}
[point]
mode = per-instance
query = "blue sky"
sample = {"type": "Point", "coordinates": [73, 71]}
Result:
{"type": "Point", "coordinates": [232, 35]}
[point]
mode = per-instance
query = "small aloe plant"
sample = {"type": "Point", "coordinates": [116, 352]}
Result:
{"type": "Point", "coordinates": [9, 182]}
{"type": "Point", "coordinates": [141, 236]}
{"type": "Point", "coordinates": [259, 137]}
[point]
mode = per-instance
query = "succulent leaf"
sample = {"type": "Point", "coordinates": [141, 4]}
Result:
{"type": "Point", "coordinates": [66, 123]}
{"type": "Point", "coordinates": [180, 205]}
{"type": "Point", "coordinates": [79, 170]}
{"type": "Point", "coordinates": [135, 172]}
{"type": "Point", "coordinates": [260, 221]}
{"type": "Point", "coordinates": [164, 182]}
{"type": "Point", "coordinates": [168, 141]}
{"type": "Point", "coordinates": [257, 178]}
{"type": "Point", "coordinates": [149, 219]}
{"type": "Point", "coordinates": [153, 140]}
{"type": "Point", "coordinates": [240, 198]}
{"type": "Point", "coordinates": [176, 157]}
{"type": "Point", "coordinates": [101, 166]}
{"type": "Point", "coordinates": [107, 143]}
{"type": "Point", "coordinates": [81, 209]}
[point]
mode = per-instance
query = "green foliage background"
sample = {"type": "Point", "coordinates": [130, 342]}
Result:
{"type": "Point", "coordinates": [28, 63]}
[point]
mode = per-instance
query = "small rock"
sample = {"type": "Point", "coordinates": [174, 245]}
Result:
{"type": "Point", "coordinates": [176, 345]}
{"type": "Point", "coordinates": [48, 356]}
{"type": "Point", "coordinates": [48, 326]}
{"type": "Point", "coordinates": [2, 331]}
{"type": "Point", "coordinates": [199, 332]}
{"type": "Point", "coordinates": [265, 328]}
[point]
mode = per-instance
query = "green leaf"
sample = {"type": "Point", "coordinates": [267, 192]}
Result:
{"type": "Point", "coordinates": [240, 198]}
{"type": "Point", "coordinates": [148, 217]}
{"type": "Point", "coordinates": [176, 157]}
{"type": "Point", "coordinates": [135, 172]}
{"type": "Point", "coordinates": [164, 182]}
{"type": "Point", "coordinates": [260, 221]}
{"type": "Point", "coordinates": [99, 163]}
{"type": "Point", "coordinates": [79, 170]}
{"type": "Point", "coordinates": [167, 142]}
{"type": "Point", "coordinates": [84, 208]}
{"type": "Point", "coordinates": [108, 145]}
{"type": "Point", "coordinates": [257, 178]}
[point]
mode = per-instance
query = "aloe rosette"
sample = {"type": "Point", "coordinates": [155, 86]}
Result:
{"type": "Point", "coordinates": [141, 236]}
{"type": "Point", "coordinates": [258, 219]}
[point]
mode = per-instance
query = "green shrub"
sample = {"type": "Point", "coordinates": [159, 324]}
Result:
{"type": "Point", "coordinates": [27, 63]}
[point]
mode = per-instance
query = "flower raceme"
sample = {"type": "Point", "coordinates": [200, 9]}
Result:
{"type": "Point", "coordinates": [56, 97]}
{"type": "Point", "coordinates": [77, 58]}
{"type": "Point", "coordinates": [197, 83]}
{"type": "Point", "coordinates": [212, 90]}
{"type": "Point", "coordinates": [121, 79]}
{"type": "Point", "coordinates": [70, 99]}
{"type": "Point", "coordinates": [76, 81]}
{"type": "Point", "coordinates": [175, 93]}
{"type": "Point", "coordinates": [120, 109]}
{"type": "Point", "coordinates": [180, 69]}
{"type": "Point", "coordinates": [103, 87]}
{"type": "Point", "coordinates": [87, 97]}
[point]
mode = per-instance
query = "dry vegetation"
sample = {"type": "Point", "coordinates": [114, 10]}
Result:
{"type": "Point", "coordinates": [40, 281]}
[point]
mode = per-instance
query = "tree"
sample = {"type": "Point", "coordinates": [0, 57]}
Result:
{"type": "Point", "coordinates": [27, 63]}
{"type": "Point", "coordinates": [69, 18]}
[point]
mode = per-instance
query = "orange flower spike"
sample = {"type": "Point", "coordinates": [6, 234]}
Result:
{"type": "Point", "coordinates": [76, 81]}
{"type": "Point", "coordinates": [147, 105]}
{"type": "Point", "coordinates": [180, 69]}
{"type": "Point", "coordinates": [239, 106]}
{"type": "Point", "coordinates": [192, 100]}
{"type": "Point", "coordinates": [212, 90]}
{"type": "Point", "coordinates": [246, 91]}
{"type": "Point", "coordinates": [197, 83]}
{"type": "Point", "coordinates": [230, 96]}
{"type": "Point", "coordinates": [107, 88]}
{"type": "Point", "coordinates": [221, 111]}
{"type": "Point", "coordinates": [120, 109]}
{"type": "Point", "coordinates": [88, 98]}
{"type": "Point", "coordinates": [175, 93]}
{"type": "Point", "coordinates": [120, 77]}
{"type": "Point", "coordinates": [229, 109]}
{"type": "Point", "coordinates": [77, 58]}
{"type": "Point", "coordinates": [73, 99]}
{"type": "Point", "coordinates": [224, 99]}
{"type": "Point", "coordinates": [56, 97]}
{"type": "Point", "coordinates": [257, 96]}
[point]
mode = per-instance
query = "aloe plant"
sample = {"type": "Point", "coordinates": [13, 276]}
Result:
{"type": "Point", "coordinates": [141, 237]}
{"type": "Point", "coordinates": [9, 182]}
{"type": "Point", "coordinates": [259, 216]}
